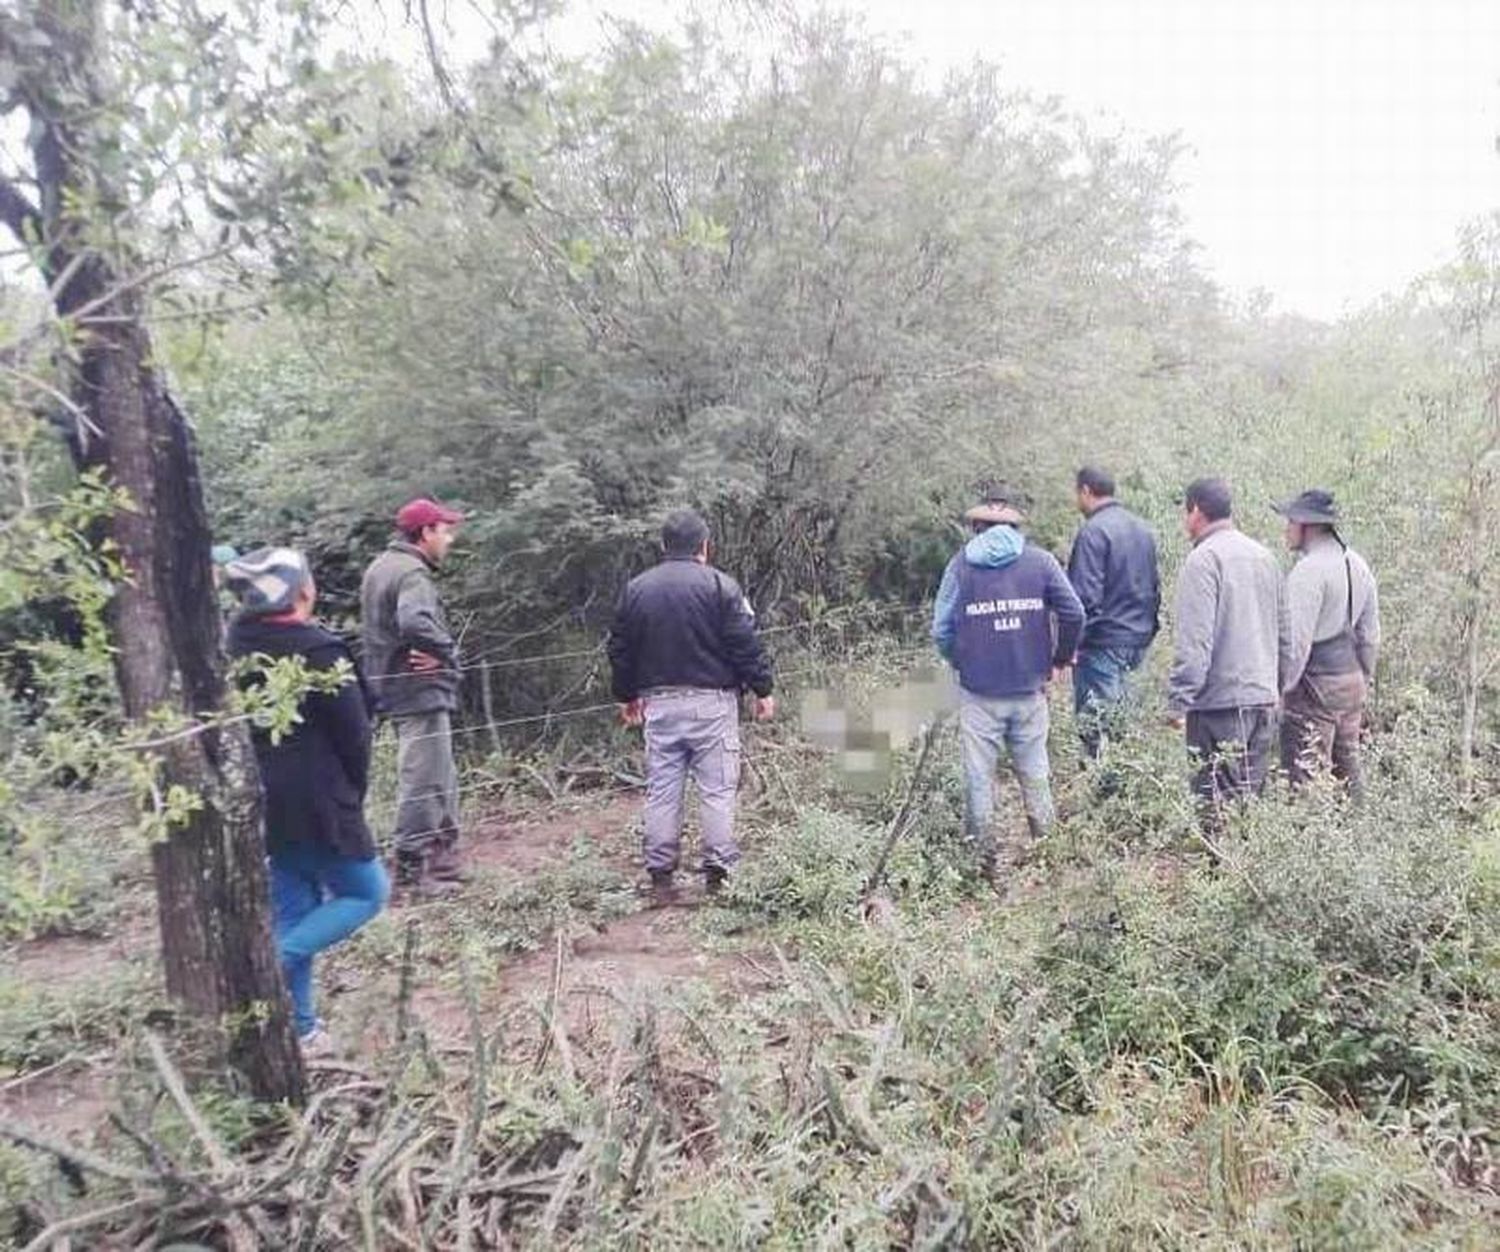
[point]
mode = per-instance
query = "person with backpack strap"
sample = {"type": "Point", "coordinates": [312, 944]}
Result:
{"type": "Point", "coordinates": [1334, 609]}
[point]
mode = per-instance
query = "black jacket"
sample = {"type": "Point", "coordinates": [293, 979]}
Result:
{"type": "Point", "coordinates": [315, 778]}
{"type": "Point", "coordinates": [684, 624]}
{"type": "Point", "coordinates": [1113, 569]}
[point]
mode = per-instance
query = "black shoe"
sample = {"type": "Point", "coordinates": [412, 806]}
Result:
{"type": "Point", "coordinates": [411, 868]}
{"type": "Point", "coordinates": [714, 878]}
{"type": "Point", "coordinates": [416, 879]}
{"type": "Point", "coordinates": [663, 890]}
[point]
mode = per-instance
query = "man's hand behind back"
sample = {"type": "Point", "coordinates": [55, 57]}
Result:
{"type": "Point", "coordinates": [765, 708]}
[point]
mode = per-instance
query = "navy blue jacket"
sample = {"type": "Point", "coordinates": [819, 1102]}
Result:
{"type": "Point", "coordinates": [685, 624]}
{"type": "Point", "coordinates": [1113, 568]}
{"type": "Point", "coordinates": [994, 615]}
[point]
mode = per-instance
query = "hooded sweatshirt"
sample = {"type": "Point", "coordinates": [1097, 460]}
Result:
{"type": "Point", "coordinates": [993, 619]}
{"type": "Point", "coordinates": [315, 777]}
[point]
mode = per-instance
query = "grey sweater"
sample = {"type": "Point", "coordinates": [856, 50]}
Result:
{"type": "Point", "coordinates": [1326, 596]}
{"type": "Point", "coordinates": [1231, 631]}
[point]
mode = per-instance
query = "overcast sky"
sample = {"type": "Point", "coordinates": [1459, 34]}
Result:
{"type": "Point", "coordinates": [1336, 145]}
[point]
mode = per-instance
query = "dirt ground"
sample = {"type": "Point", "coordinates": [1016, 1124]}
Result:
{"type": "Point", "coordinates": [568, 993]}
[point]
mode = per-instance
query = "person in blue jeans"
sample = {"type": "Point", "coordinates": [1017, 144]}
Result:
{"type": "Point", "coordinates": [994, 622]}
{"type": "Point", "coordinates": [326, 879]}
{"type": "Point", "coordinates": [1113, 567]}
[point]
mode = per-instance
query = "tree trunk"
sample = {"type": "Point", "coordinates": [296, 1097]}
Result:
{"type": "Point", "coordinates": [212, 898]}
{"type": "Point", "coordinates": [1475, 620]}
{"type": "Point", "coordinates": [1473, 624]}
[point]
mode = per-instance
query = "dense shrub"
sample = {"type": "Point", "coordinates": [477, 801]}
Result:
{"type": "Point", "coordinates": [1351, 947]}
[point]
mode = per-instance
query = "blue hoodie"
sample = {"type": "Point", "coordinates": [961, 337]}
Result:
{"type": "Point", "coordinates": [1001, 594]}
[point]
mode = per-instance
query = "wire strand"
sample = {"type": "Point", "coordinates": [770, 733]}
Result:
{"type": "Point", "coordinates": [388, 807]}
{"type": "Point", "coordinates": [483, 660]}
{"type": "Point", "coordinates": [614, 789]}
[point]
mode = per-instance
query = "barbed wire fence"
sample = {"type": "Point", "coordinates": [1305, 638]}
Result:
{"type": "Point", "coordinates": [484, 667]}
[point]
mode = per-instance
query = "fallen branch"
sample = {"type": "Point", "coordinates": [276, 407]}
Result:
{"type": "Point", "coordinates": [78, 1159]}
{"type": "Point", "coordinates": [59, 1231]}
{"type": "Point", "coordinates": [172, 1081]}
{"type": "Point", "coordinates": [898, 824]}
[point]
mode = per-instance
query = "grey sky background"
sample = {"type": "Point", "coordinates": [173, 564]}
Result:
{"type": "Point", "coordinates": [1335, 146]}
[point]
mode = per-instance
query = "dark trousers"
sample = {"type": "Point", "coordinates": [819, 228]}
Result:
{"type": "Point", "coordinates": [1320, 729]}
{"type": "Point", "coordinates": [1231, 749]}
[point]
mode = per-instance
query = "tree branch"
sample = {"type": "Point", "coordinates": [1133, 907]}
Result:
{"type": "Point", "coordinates": [18, 212]}
{"type": "Point", "coordinates": [83, 313]}
{"type": "Point", "coordinates": [435, 58]}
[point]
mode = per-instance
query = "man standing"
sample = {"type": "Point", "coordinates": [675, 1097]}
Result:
{"type": "Point", "coordinates": [1231, 631]}
{"type": "Point", "coordinates": [411, 664]}
{"type": "Point", "coordinates": [993, 621]}
{"type": "Point", "coordinates": [1113, 568]}
{"type": "Point", "coordinates": [682, 648]}
{"type": "Point", "coordinates": [1335, 637]}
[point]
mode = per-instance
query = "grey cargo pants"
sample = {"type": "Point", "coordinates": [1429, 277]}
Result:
{"type": "Point", "coordinates": [691, 730]}
{"type": "Point", "coordinates": [427, 784]}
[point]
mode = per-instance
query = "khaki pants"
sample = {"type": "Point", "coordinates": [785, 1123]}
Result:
{"type": "Point", "coordinates": [1320, 732]}
{"type": "Point", "coordinates": [427, 785]}
{"type": "Point", "coordinates": [692, 731]}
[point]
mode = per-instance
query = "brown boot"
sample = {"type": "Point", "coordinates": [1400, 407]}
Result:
{"type": "Point", "coordinates": [415, 878]}
{"type": "Point", "coordinates": [444, 865]}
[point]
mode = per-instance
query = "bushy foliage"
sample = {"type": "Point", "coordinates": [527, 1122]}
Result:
{"type": "Point", "coordinates": [820, 299]}
{"type": "Point", "coordinates": [768, 291]}
{"type": "Point", "coordinates": [1351, 948]}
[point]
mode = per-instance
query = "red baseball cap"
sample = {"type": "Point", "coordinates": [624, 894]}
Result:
{"type": "Point", "coordinates": [415, 514]}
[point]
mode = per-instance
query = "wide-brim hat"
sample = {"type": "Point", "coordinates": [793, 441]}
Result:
{"type": "Point", "coordinates": [995, 514]}
{"type": "Point", "coordinates": [1314, 506]}
{"type": "Point", "coordinates": [1000, 505]}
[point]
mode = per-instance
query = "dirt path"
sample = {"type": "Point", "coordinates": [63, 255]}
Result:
{"type": "Point", "coordinates": [591, 974]}
{"type": "Point", "coordinates": [591, 977]}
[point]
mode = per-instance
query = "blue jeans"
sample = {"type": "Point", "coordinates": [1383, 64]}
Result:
{"type": "Point", "coordinates": [1099, 688]}
{"type": "Point", "coordinates": [1019, 724]}
{"type": "Point", "coordinates": [318, 898]}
